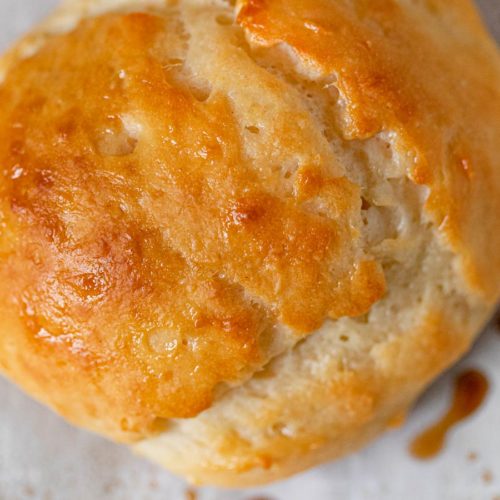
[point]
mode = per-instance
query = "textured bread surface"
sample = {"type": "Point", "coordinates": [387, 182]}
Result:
{"type": "Point", "coordinates": [245, 236]}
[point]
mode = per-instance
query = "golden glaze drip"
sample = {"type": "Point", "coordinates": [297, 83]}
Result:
{"type": "Point", "coordinates": [471, 388]}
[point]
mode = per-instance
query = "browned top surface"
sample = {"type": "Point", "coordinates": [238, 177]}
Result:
{"type": "Point", "coordinates": [143, 257]}
{"type": "Point", "coordinates": [422, 69]}
{"type": "Point", "coordinates": [146, 256]}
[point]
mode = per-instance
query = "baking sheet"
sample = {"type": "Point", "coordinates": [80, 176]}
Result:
{"type": "Point", "coordinates": [42, 457]}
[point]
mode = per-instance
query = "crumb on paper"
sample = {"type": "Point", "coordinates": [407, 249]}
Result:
{"type": "Point", "coordinates": [29, 491]}
{"type": "Point", "coordinates": [487, 476]}
{"type": "Point", "coordinates": [472, 456]}
{"type": "Point", "coordinates": [191, 494]}
{"type": "Point", "coordinates": [111, 486]}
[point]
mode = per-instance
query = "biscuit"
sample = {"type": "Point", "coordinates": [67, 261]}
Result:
{"type": "Point", "coordinates": [244, 237]}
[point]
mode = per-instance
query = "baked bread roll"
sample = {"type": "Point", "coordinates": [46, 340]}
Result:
{"type": "Point", "coordinates": [243, 237]}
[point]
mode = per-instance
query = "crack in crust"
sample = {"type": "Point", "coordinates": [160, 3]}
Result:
{"type": "Point", "coordinates": [377, 51]}
{"type": "Point", "coordinates": [145, 257]}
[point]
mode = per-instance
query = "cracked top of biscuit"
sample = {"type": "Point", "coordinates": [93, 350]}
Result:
{"type": "Point", "coordinates": [174, 214]}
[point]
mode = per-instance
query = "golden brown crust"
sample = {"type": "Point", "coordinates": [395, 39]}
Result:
{"type": "Point", "coordinates": [145, 254]}
{"type": "Point", "coordinates": [179, 206]}
{"type": "Point", "coordinates": [331, 413]}
{"type": "Point", "coordinates": [399, 67]}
